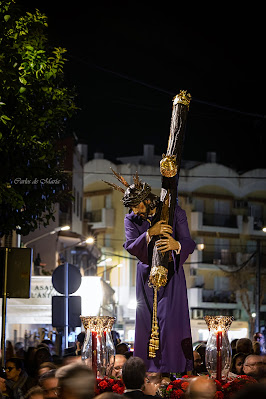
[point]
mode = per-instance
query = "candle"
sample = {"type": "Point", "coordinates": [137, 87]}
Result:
{"type": "Point", "coordinates": [219, 355]}
{"type": "Point", "coordinates": [94, 351]}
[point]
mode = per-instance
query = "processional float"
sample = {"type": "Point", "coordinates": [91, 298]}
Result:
{"type": "Point", "coordinates": [169, 167]}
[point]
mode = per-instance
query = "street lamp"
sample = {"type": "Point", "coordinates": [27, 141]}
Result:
{"type": "Point", "coordinates": [90, 240]}
{"type": "Point", "coordinates": [61, 228]}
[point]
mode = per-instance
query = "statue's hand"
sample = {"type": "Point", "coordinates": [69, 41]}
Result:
{"type": "Point", "coordinates": [160, 228]}
{"type": "Point", "coordinates": [168, 244]}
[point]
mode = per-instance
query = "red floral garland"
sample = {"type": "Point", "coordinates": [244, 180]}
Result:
{"type": "Point", "coordinates": [176, 389]}
{"type": "Point", "coordinates": [230, 388]}
{"type": "Point", "coordinates": [109, 385]}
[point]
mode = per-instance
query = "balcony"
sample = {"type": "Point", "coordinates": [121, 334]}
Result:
{"type": "Point", "coordinates": [253, 226]}
{"type": "Point", "coordinates": [214, 219]}
{"type": "Point", "coordinates": [227, 258]}
{"type": "Point", "coordinates": [212, 222]}
{"type": "Point", "coordinates": [201, 298]}
{"type": "Point", "coordinates": [218, 296]}
{"type": "Point", "coordinates": [100, 218]}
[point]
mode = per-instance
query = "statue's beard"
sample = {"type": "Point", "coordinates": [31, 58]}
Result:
{"type": "Point", "coordinates": [145, 215]}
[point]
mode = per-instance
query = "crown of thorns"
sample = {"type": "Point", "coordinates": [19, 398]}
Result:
{"type": "Point", "coordinates": [134, 193]}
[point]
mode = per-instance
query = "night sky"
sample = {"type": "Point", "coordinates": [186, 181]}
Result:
{"type": "Point", "coordinates": [128, 59]}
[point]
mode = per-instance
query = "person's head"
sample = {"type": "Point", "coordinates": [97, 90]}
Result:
{"type": "Point", "coordinates": [244, 345]}
{"type": "Point", "coordinates": [14, 366]}
{"type": "Point", "coordinates": [133, 373]}
{"type": "Point", "coordinates": [258, 337]}
{"type": "Point", "coordinates": [80, 339]}
{"type": "Point", "coordinates": [137, 196]}
{"type": "Point", "coordinates": [9, 350]}
{"type": "Point", "coordinates": [146, 207]}
{"type": "Point", "coordinates": [75, 381]}
{"type": "Point", "coordinates": [256, 347]}
{"type": "Point", "coordinates": [19, 349]}
{"type": "Point", "coordinates": [254, 366]}
{"type": "Point", "coordinates": [48, 382]}
{"type": "Point", "coordinates": [201, 349]}
{"type": "Point", "coordinates": [118, 364]}
{"type": "Point", "coordinates": [34, 393]}
{"type": "Point", "coordinates": [201, 388]}
{"type": "Point", "coordinates": [49, 343]}
{"type": "Point", "coordinates": [238, 363]}
{"type": "Point", "coordinates": [197, 361]}
{"type": "Point", "coordinates": [233, 346]}
{"type": "Point", "coordinates": [121, 348]}
{"type": "Point", "coordinates": [46, 366]}
{"type": "Point", "coordinates": [41, 355]}
{"type": "Point", "coordinates": [152, 383]}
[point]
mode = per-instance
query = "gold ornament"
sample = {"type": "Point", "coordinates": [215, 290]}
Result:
{"type": "Point", "coordinates": [168, 166]}
{"type": "Point", "coordinates": [218, 323]}
{"type": "Point", "coordinates": [154, 340]}
{"type": "Point", "coordinates": [182, 98]}
{"type": "Point", "coordinates": [158, 276]}
{"type": "Point", "coordinates": [98, 323]}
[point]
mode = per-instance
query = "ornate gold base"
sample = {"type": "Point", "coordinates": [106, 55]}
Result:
{"type": "Point", "coordinates": [158, 276]}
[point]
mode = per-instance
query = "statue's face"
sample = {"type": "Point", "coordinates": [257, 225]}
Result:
{"type": "Point", "coordinates": [143, 209]}
{"type": "Point", "coordinates": [140, 210]}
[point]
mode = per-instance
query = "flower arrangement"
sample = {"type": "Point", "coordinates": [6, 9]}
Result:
{"type": "Point", "coordinates": [231, 387]}
{"type": "Point", "coordinates": [176, 389]}
{"type": "Point", "coordinates": [109, 385]}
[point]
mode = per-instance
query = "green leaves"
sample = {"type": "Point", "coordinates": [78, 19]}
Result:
{"type": "Point", "coordinates": [4, 119]}
{"type": "Point", "coordinates": [34, 108]}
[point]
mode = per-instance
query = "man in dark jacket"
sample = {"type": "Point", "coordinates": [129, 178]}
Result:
{"type": "Point", "coordinates": [133, 376]}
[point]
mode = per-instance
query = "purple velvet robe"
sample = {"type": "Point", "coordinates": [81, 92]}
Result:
{"type": "Point", "coordinates": [175, 353]}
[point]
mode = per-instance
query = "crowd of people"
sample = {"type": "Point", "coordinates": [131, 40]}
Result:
{"type": "Point", "coordinates": [39, 374]}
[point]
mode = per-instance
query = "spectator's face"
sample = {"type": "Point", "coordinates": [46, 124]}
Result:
{"type": "Point", "coordinates": [11, 372]}
{"type": "Point", "coordinates": [151, 386]}
{"type": "Point", "coordinates": [117, 369]}
{"type": "Point", "coordinates": [252, 365]}
{"type": "Point", "coordinates": [239, 366]}
{"type": "Point", "coordinates": [197, 360]}
{"type": "Point", "coordinates": [49, 387]}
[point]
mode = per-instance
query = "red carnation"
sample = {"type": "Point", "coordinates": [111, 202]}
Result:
{"type": "Point", "coordinates": [103, 384]}
{"type": "Point", "coordinates": [175, 384]}
{"type": "Point", "coordinates": [170, 386]}
{"type": "Point", "coordinates": [218, 395]}
{"type": "Point", "coordinates": [118, 388]}
{"type": "Point", "coordinates": [184, 385]}
{"type": "Point", "coordinates": [178, 393]}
